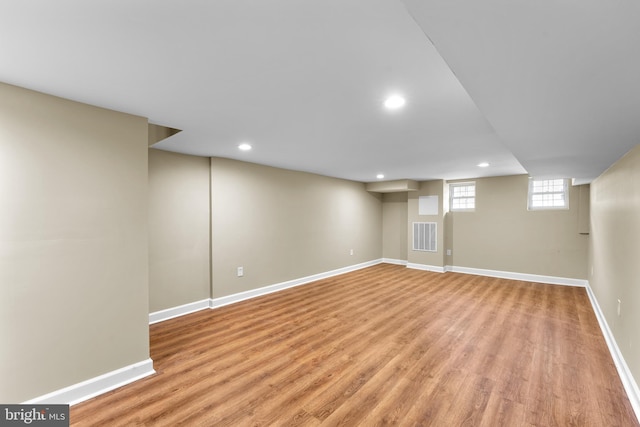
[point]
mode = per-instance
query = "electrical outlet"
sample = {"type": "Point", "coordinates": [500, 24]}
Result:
{"type": "Point", "coordinates": [619, 304]}
{"type": "Point", "coordinates": [351, 252]}
{"type": "Point", "coordinates": [448, 252]}
{"type": "Point", "coordinates": [240, 271]}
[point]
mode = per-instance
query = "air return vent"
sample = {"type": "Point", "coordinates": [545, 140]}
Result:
{"type": "Point", "coordinates": [425, 236]}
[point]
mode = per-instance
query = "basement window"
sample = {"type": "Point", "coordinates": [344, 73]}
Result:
{"type": "Point", "coordinates": [463, 196]}
{"type": "Point", "coordinates": [548, 194]}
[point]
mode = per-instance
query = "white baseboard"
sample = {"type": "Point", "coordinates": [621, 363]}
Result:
{"type": "Point", "coordinates": [426, 267]}
{"type": "Point", "coordinates": [95, 386]}
{"type": "Point", "coordinates": [181, 310]}
{"type": "Point", "coordinates": [629, 383]}
{"type": "Point", "coordinates": [241, 296]}
{"type": "Point", "coordinates": [394, 261]}
{"type": "Point", "coordinates": [536, 278]}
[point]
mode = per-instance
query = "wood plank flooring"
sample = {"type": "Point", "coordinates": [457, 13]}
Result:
{"type": "Point", "coordinates": [385, 345]}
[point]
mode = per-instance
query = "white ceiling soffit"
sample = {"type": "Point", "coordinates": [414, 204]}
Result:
{"type": "Point", "coordinates": [558, 81]}
{"type": "Point", "coordinates": [303, 81]}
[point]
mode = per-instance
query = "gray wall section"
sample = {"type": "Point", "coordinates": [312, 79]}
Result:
{"type": "Point", "coordinates": [73, 242]}
{"type": "Point", "coordinates": [179, 223]}
{"type": "Point", "coordinates": [501, 234]}
{"type": "Point", "coordinates": [394, 226]}
{"type": "Point", "coordinates": [281, 225]}
{"type": "Point", "coordinates": [614, 252]}
{"type": "Point", "coordinates": [427, 188]}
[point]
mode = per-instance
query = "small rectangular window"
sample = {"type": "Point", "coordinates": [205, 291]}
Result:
{"type": "Point", "coordinates": [548, 194]}
{"type": "Point", "coordinates": [463, 196]}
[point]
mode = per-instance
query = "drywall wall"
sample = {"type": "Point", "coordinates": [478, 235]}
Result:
{"type": "Point", "coordinates": [281, 225]}
{"type": "Point", "coordinates": [73, 243]}
{"type": "Point", "coordinates": [178, 229]}
{"type": "Point", "coordinates": [432, 259]}
{"type": "Point", "coordinates": [157, 133]}
{"type": "Point", "coordinates": [395, 186]}
{"type": "Point", "coordinates": [501, 234]}
{"type": "Point", "coordinates": [394, 226]}
{"type": "Point", "coordinates": [448, 238]}
{"type": "Point", "coordinates": [614, 251]}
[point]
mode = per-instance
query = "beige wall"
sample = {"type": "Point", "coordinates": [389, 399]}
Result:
{"type": "Point", "coordinates": [427, 188]}
{"type": "Point", "coordinates": [73, 242]}
{"type": "Point", "coordinates": [615, 253]}
{"type": "Point", "coordinates": [157, 133]}
{"type": "Point", "coordinates": [501, 234]}
{"type": "Point", "coordinates": [282, 225]}
{"type": "Point", "coordinates": [178, 229]}
{"type": "Point", "coordinates": [394, 226]}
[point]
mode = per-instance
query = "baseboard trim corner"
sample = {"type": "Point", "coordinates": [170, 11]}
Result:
{"type": "Point", "coordinates": [181, 310]}
{"type": "Point", "coordinates": [241, 296]}
{"type": "Point", "coordinates": [93, 387]}
{"type": "Point", "coordinates": [628, 382]}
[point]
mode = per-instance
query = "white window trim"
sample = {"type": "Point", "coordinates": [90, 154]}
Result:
{"type": "Point", "coordinates": [451, 198]}
{"type": "Point", "coordinates": [565, 190]}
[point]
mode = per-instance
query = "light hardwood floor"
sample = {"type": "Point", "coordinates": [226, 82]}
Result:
{"type": "Point", "coordinates": [385, 345]}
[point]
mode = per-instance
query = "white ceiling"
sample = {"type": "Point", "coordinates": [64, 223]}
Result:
{"type": "Point", "coordinates": [545, 88]}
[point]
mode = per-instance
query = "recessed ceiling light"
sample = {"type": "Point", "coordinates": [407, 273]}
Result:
{"type": "Point", "coordinates": [394, 102]}
{"type": "Point", "coordinates": [483, 165]}
{"type": "Point", "coordinates": [380, 176]}
{"type": "Point", "coordinates": [244, 146]}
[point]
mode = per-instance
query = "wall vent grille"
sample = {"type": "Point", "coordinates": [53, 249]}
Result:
{"type": "Point", "coordinates": [425, 236]}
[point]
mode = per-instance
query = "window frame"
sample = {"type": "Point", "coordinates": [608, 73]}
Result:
{"type": "Point", "coordinates": [532, 193]}
{"type": "Point", "coordinates": [452, 197]}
